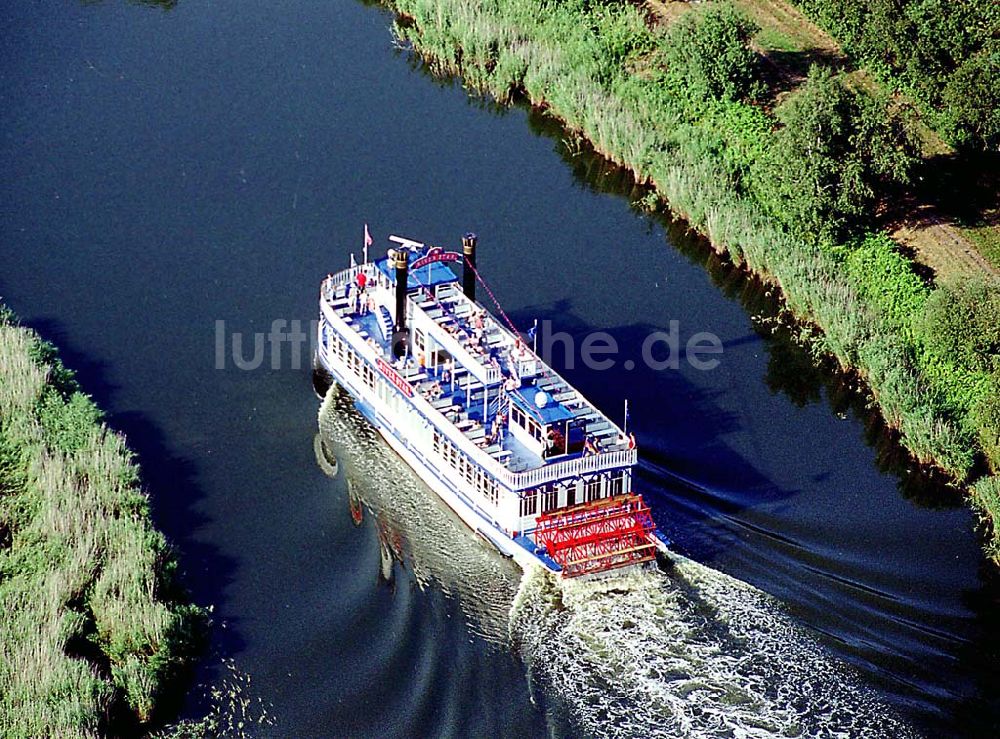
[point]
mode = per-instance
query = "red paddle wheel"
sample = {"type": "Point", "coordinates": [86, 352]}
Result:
{"type": "Point", "coordinates": [598, 536]}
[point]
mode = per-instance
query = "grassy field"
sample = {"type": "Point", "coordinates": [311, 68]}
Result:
{"type": "Point", "coordinates": [986, 237]}
{"type": "Point", "coordinates": [93, 624]}
{"type": "Point", "coordinates": [651, 99]}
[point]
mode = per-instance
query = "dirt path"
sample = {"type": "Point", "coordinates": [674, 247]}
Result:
{"type": "Point", "coordinates": [937, 244]}
{"type": "Point", "coordinates": [665, 12]}
{"type": "Point", "coordinates": [779, 17]}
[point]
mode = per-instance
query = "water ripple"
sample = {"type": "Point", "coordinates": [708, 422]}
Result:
{"type": "Point", "coordinates": [687, 653]}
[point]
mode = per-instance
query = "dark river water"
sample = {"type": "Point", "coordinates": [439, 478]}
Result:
{"type": "Point", "coordinates": [167, 169]}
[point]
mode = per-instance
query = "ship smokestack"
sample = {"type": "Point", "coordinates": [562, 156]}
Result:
{"type": "Point", "coordinates": [402, 264]}
{"type": "Point", "coordinates": [469, 268]}
{"type": "Point", "coordinates": [401, 261]}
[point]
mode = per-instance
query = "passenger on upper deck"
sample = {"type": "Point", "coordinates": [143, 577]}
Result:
{"type": "Point", "coordinates": [556, 443]}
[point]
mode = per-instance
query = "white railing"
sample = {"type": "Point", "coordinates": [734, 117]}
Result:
{"type": "Point", "coordinates": [486, 374]}
{"type": "Point", "coordinates": [570, 468]}
{"type": "Point", "coordinates": [348, 332]}
{"type": "Point", "coordinates": [339, 279]}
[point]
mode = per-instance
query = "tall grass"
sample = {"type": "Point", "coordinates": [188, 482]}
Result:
{"type": "Point", "coordinates": [91, 621]}
{"type": "Point", "coordinates": [693, 153]}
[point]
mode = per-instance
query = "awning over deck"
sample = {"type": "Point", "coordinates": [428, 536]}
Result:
{"type": "Point", "coordinates": [431, 275]}
{"type": "Point", "coordinates": [550, 412]}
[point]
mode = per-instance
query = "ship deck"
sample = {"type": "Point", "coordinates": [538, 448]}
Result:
{"type": "Point", "coordinates": [468, 402]}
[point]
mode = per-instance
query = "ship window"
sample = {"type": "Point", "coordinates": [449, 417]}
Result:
{"type": "Point", "coordinates": [550, 498]}
{"type": "Point", "coordinates": [592, 489]}
{"type": "Point", "coordinates": [418, 338]}
{"type": "Point", "coordinates": [529, 503]}
{"type": "Point", "coordinates": [616, 484]}
{"type": "Point", "coordinates": [517, 416]}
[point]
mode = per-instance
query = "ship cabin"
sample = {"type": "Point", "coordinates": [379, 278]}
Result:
{"type": "Point", "coordinates": [465, 390]}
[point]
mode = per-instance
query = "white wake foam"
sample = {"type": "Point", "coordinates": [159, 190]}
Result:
{"type": "Point", "coordinates": [689, 653]}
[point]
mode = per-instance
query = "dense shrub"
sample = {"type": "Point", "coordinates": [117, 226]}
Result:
{"type": "Point", "coordinates": [708, 54]}
{"type": "Point", "coordinates": [961, 324]}
{"type": "Point", "coordinates": [886, 280]}
{"type": "Point", "coordinates": [68, 423]}
{"type": "Point", "coordinates": [986, 415]}
{"type": "Point", "coordinates": [836, 152]}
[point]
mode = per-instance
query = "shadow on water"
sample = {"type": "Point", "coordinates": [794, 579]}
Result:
{"type": "Point", "coordinates": [792, 368]}
{"type": "Point", "coordinates": [171, 483]}
{"type": "Point", "coordinates": [983, 656]}
{"type": "Point", "coordinates": [706, 425]}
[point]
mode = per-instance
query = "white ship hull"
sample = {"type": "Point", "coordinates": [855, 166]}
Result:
{"type": "Point", "coordinates": [522, 458]}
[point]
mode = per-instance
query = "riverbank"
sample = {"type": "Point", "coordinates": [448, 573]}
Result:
{"type": "Point", "coordinates": [95, 626]}
{"type": "Point", "coordinates": [716, 160]}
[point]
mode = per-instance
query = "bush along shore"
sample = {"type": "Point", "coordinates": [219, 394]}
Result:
{"type": "Point", "coordinates": [93, 624]}
{"type": "Point", "coordinates": [786, 185]}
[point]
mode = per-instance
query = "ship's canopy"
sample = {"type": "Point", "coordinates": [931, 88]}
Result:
{"type": "Point", "coordinates": [546, 412]}
{"type": "Point", "coordinates": [430, 275]}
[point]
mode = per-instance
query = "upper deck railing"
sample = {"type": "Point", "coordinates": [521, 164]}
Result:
{"type": "Point", "coordinates": [570, 468]}
{"type": "Point", "coordinates": [344, 276]}
{"type": "Point", "coordinates": [485, 373]}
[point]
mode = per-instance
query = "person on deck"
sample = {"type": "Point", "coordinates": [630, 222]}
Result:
{"type": "Point", "coordinates": [362, 280]}
{"type": "Point", "coordinates": [556, 444]}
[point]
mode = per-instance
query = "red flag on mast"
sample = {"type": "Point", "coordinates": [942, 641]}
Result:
{"type": "Point", "coordinates": [368, 242]}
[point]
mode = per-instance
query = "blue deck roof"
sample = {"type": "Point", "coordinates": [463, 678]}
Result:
{"type": "Point", "coordinates": [431, 275]}
{"type": "Point", "coordinates": [552, 412]}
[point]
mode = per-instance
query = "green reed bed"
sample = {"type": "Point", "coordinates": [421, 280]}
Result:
{"type": "Point", "coordinates": [787, 189]}
{"type": "Point", "coordinates": [93, 625]}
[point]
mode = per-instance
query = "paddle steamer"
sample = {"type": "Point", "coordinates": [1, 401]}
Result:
{"type": "Point", "coordinates": [520, 455]}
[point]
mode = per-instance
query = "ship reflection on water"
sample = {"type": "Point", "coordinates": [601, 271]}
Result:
{"type": "Point", "coordinates": [389, 540]}
{"type": "Point", "coordinates": [416, 531]}
{"type": "Point", "coordinates": [688, 652]}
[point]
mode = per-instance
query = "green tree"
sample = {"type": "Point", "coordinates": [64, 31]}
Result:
{"type": "Point", "coordinates": [836, 153]}
{"type": "Point", "coordinates": [708, 52]}
{"type": "Point", "coordinates": [972, 101]}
